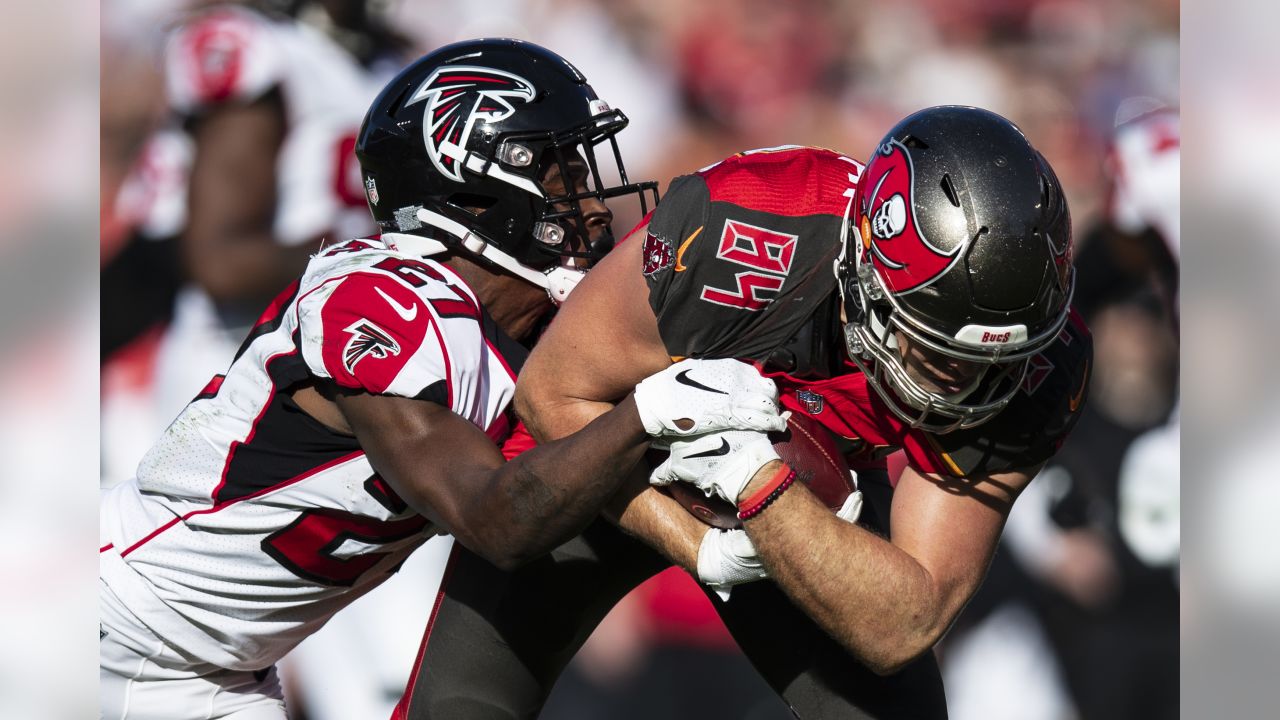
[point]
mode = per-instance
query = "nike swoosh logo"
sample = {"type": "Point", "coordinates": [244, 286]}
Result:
{"type": "Point", "coordinates": [1074, 402]}
{"type": "Point", "coordinates": [680, 267]}
{"type": "Point", "coordinates": [722, 450]}
{"type": "Point", "coordinates": [406, 313]}
{"type": "Point", "coordinates": [683, 378]}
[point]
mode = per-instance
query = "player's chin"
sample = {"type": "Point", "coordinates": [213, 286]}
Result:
{"type": "Point", "coordinates": [538, 307]}
{"type": "Point", "coordinates": [944, 384]}
{"type": "Point", "coordinates": [952, 389]}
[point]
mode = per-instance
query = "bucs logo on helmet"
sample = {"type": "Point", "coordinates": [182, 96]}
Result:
{"type": "Point", "coordinates": [903, 256]}
{"type": "Point", "coordinates": [458, 95]}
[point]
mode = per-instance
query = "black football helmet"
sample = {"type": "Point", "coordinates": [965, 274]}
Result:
{"type": "Point", "coordinates": [453, 149]}
{"type": "Point", "coordinates": [959, 239]}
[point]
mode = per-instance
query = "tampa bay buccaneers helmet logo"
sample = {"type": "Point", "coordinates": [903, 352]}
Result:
{"type": "Point", "coordinates": [903, 256]}
{"type": "Point", "coordinates": [458, 95]}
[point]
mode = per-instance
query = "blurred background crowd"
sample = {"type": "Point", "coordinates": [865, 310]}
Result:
{"type": "Point", "coordinates": [215, 188]}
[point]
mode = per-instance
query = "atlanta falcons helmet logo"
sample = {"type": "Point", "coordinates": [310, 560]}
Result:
{"type": "Point", "coordinates": [903, 255]}
{"type": "Point", "coordinates": [458, 95]}
{"type": "Point", "coordinates": [367, 339]}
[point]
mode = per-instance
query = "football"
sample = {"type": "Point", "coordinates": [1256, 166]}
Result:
{"type": "Point", "coordinates": [810, 449]}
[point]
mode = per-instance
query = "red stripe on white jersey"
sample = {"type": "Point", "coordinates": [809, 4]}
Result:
{"type": "Point", "coordinates": [260, 493]}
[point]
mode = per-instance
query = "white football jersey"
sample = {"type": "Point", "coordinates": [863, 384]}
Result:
{"type": "Point", "coordinates": [233, 55]}
{"type": "Point", "coordinates": [250, 523]}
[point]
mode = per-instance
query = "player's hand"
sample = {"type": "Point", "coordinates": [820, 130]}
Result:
{"type": "Point", "coordinates": [721, 462]}
{"type": "Point", "coordinates": [693, 397]}
{"type": "Point", "coordinates": [727, 558]}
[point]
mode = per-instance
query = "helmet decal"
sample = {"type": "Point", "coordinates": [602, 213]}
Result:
{"type": "Point", "coordinates": [458, 95]}
{"type": "Point", "coordinates": [903, 256]}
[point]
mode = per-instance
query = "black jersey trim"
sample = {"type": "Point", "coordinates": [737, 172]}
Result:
{"type": "Point", "coordinates": [271, 318]}
{"type": "Point", "coordinates": [437, 392]}
{"type": "Point", "coordinates": [287, 443]}
{"type": "Point", "coordinates": [284, 441]}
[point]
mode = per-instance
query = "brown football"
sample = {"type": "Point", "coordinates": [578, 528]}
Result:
{"type": "Point", "coordinates": [808, 447]}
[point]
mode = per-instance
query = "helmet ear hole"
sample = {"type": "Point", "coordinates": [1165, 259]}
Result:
{"type": "Point", "coordinates": [949, 190]}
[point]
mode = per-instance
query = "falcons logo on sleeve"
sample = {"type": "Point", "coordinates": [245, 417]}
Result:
{"type": "Point", "coordinates": [367, 339]}
{"type": "Point", "coordinates": [456, 97]}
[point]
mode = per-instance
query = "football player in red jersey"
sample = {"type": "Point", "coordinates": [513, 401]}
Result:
{"type": "Point", "coordinates": [922, 303]}
{"type": "Point", "coordinates": [364, 411]}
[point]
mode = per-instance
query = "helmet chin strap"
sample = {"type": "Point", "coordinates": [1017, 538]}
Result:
{"type": "Point", "coordinates": [557, 281]}
{"type": "Point", "coordinates": [561, 281]}
{"type": "Point", "coordinates": [413, 244]}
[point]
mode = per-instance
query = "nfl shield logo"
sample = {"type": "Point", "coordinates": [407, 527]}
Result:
{"type": "Point", "coordinates": [371, 189]}
{"type": "Point", "coordinates": [812, 401]}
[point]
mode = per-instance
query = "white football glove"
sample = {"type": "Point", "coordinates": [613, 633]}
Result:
{"type": "Point", "coordinates": [727, 558]}
{"type": "Point", "coordinates": [710, 394]}
{"type": "Point", "coordinates": [720, 462]}
{"type": "Point", "coordinates": [851, 510]}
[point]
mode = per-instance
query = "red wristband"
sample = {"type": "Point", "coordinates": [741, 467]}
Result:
{"type": "Point", "coordinates": [765, 496]}
{"type": "Point", "coordinates": [772, 484]}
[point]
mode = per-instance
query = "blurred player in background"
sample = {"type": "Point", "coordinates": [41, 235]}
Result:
{"type": "Point", "coordinates": [921, 302]}
{"type": "Point", "coordinates": [1135, 245]}
{"type": "Point", "coordinates": [252, 169]}
{"type": "Point", "coordinates": [1118, 480]}
{"type": "Point", "coordinates": [361, 414]}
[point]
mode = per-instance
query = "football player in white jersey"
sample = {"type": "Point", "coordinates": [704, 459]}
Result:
{"type": "Point", "coordinates": [362, 414]}
{"type": "Point", "coordinates": [268, 97]}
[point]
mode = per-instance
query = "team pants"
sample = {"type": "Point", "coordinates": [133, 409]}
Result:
{"type": "Point", "coordinates": [497, 640]}
{"type": "Point", "coordinates": [144, 679]}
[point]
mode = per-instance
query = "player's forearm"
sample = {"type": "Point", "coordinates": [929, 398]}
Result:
{"type": "Point", "coordinates": [545, 496]}
{"type": "Point", "coordinates": [660, 522]}
{"type": "Point", "coordinates": [635, 507]}
{"type": "Point", "coordinates": [869, 595]}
